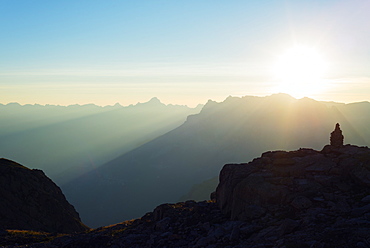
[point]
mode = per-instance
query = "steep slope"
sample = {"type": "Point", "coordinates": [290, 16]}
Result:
{"type": "Point", "coordinates": [31, 201]}
{"type": "Point", "coordinates": [237, 129]}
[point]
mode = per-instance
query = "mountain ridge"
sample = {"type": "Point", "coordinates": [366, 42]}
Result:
{"type": "Point", "coordinates": [153, 100]}
{"type": "Point", "coordinates": [81, 137]}
{"type": "Point", "coordinates": [164, 169]}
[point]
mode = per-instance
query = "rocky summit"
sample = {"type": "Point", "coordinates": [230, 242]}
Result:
{"type": "Point", "coordinates": [31, 201]}
{"type": "Point", "coordinates": [283, 199]}
{"type": "Point", "coordinates": [307, 197]}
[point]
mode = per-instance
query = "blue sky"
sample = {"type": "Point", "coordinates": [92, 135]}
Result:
{"type": "Point", "coordinates": [184, 52]}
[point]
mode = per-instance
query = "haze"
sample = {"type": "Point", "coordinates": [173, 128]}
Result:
{"type": "Point", "coordinates": [183, 52]}
{"type": "Point", "coordinates": [255, 76]}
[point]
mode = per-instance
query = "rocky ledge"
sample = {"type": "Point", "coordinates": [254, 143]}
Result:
{"type": "Point", "coordinates": [306, 197]}
{"type": "Point", "coordinates": [303, 198]}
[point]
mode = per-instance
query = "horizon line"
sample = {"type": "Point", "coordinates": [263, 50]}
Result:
{"type": "Point", "coordinates": [152, 99]}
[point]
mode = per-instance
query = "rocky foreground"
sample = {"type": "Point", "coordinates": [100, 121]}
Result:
{"type": "Point", "coordinates": [29, 200]}
{"type": "Point", "coordinates": [303, 198]}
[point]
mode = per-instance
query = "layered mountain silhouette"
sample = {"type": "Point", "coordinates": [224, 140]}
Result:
{"type": "Point", "coordinates": [31, 201]}
{"type": "Point", "coordinates": [66, 142]}
{"type": "Point", "coordinates": [238, 129]}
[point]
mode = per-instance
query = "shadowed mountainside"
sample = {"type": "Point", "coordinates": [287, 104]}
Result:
{"type": "Point", "coordinates": [31, 201]}
{"type": "Point", "coordinates": [237, 129]}
{"type": "Point", "coordinates": [66, 142]}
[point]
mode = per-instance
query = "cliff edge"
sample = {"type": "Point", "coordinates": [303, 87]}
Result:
{"type": "Point", "coordinates": [336, 179]}
{"type": "Point", "coordinates": [31, 201]}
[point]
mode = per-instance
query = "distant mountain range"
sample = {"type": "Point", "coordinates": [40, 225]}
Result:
{"type": "Point", "coordinates": [66, 142]}
{"type": "Point", "coordinates": [236, 130]}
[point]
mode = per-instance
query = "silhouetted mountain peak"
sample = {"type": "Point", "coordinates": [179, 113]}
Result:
{"type": "Point", "coordinates": [281, 97]}
{"type": "Point", "coordinates": [209, 105]}
{"type": "Point", "coordinates": [153, 102]}
{"type": "Point", "coordinates": [13, 104]}
{"type": "Point", "coordinates": [117, 105]}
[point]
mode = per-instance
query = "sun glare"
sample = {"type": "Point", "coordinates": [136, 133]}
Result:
{"type": "Point", "coordinates": [300, 71]}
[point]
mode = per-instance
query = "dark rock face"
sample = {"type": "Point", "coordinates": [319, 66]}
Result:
{"type": "Point", "coordinates": [31, 201]}
{"type": "Point", "coordinates": [328, 189]}
{"type": "Point", "coordinates": [300, 179]}
{"type": "Point", "coordinates": [302, 198]}
{"type": "Point", "coordinates": [336, 137]}
{"type": "Point", "coordinates": [185, 224]}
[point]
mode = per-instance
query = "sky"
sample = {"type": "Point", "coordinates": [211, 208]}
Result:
{"type": "Point", "coordinates": [183, 52]}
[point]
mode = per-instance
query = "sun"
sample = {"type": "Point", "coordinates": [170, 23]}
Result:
{"type": "Point", "coordinates": [300, 71]}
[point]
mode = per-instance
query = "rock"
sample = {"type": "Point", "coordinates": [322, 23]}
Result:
{"type": "Point", "coordinates": [361, 175]}
{"type": "Point", "coordinates": [163, 224]}
{"type": "Point", "coordinates": [235, 232]}
{"type": "Point", "coordinates": [213, 196]}
{"type": "Point", "coordinates": [360, 211]}
{"type": "Point", "coordinates": [361, 245]}
{"type": "Point", "coordinates": [301, 202]}
{"type": "Point", "coordinates": [342, 206]}
{"type": "Point", "coordinates": [283, 162]}
{"type": "Point", "coordinates": [266, 233]}
{"type": "Point", "coordinates": [227, 183]}
{"type": "Point", "coordinates": [336, 137]}
{"type": "Point", "coordinates": [3, 232]}
{"type": "Point", "coordinates": [287, 226]}
{"type": "Point", "coordinates": [249, 229]}
{"type": "Point", "coordinates": [31, 201]}
{"type": "Point", "coordinates": [366, 199]}
{"type": "Point", "coordinates": [160, 211]}
{"type": "Point", "coordinates": [252, 212]}
{"type": "Point", "coordinates": [255, 190]}
{"type": "Point", "coordinates": [206, 226]}
{"type": "Point", "coordinates": [267, 202]}
{"type": "Point", "coordinates": [219, 232]}
{"type": "Point", "coordinates": [330, 178]}
{"type": "Point", "coordinates": [204, 241]}
{"type": "Point", "coordinates": [321, 167]}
